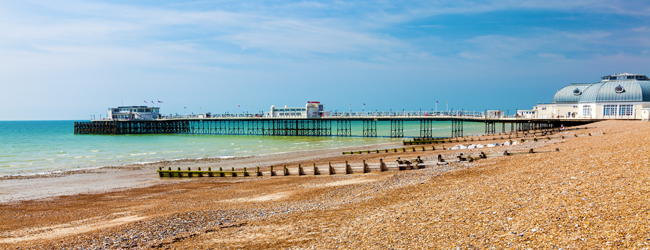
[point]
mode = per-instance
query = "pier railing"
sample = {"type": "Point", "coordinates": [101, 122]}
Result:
{"type": "Point", "coordinates": [366, 114]}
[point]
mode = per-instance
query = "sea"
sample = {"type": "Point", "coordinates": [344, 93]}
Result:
{"type": "Point", "coordinates": [40, 147]}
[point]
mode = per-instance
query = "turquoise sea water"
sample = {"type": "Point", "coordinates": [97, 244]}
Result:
{"type": "Point", "coordinates": [42, 146]}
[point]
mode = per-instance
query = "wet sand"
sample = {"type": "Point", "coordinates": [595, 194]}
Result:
{"type": "Point", "coordinates": [591, 194]}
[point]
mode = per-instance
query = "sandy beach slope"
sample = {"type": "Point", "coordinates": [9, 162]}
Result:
{"type": "Point", "coordinates": [593, 193]}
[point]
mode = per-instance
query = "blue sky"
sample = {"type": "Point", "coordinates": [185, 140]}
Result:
{"type": "Point", "coordinates": [69, 59]}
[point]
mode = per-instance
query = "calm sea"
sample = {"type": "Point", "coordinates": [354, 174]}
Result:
{"type": "Point", "coordinates": [28, 147]}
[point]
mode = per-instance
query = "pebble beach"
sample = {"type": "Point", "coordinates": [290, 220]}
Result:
{"type": "Point", "coordinates": [583, 189]}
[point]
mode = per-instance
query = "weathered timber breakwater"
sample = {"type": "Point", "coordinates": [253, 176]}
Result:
{"type": "Point", "coordinates": [347, 168]}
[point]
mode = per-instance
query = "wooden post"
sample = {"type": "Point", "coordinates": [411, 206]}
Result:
{"type": "Point", "coordinates": [272, 172]}
{"type": "Point", "coordinates": [440, 159]}
{"type": "Point", "coordinates": [258, 172]}
{"type": "Point", "coordinates": [189, 174]}
{"type": "Point", "coordinates": [221, 174]}
{"type": "Point", "coordinates": [160, 173]}
{"type": "Point", "coordinates": [210, 172]}
{"type": "Point", "coordinates": [331, 168]}
{"type": "Point", "coordinates": [316, 172]}
{"type": "Point", "coordinates": [505, 153]}
{"type": "Point", "coordinates": [245, 173]}
{"type": "Point", "coordinates": [233, 172]}
{"type": "Point", "coordinates": [300, 170]}
{"type": "Point", "coordinates": [382, 166]}
{"type": "Point", "coordinates": [286, 171]}
{"type": "Point", "coordinates": [348, 169]}
{"type": "Point", "coordinates": [365, 167]}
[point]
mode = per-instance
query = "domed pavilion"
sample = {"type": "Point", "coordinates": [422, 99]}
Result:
{"type": "Point", "coordinates": [618, 96]}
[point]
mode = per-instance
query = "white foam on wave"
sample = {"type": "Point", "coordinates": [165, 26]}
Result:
{"type": "Point", "coordinates": [144, 162]}
{"type": "Point", "coordinates": [166, 152]}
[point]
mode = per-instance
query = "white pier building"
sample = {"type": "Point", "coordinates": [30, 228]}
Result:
{"type": "Point", "coordinates": [311, 110]}
{"type": "Point", "coordinates": [133, 113]}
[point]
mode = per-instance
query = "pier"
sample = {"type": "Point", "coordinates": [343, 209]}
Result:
{"type": "Point", "coordinates": [337, 125]}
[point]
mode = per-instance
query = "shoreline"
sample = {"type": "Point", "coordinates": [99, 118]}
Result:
{"type": "Point", "coordinates": [59, 173]}
{"type": "Point", "coordinates": [18, 188]}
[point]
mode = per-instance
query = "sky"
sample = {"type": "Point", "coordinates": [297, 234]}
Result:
{"type": "Point", "coordinates": [70, 59]}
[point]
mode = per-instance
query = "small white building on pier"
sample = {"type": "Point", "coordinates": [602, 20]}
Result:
{"type": "Point", "coordinates": [618, 96]}
{"type": "Point", "coordinates": [133, 113]}
{"type": "Point", "coordinates": [311, 110]}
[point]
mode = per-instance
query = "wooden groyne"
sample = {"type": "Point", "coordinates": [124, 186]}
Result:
{"type": "Point", "coordinates": [381, 166]}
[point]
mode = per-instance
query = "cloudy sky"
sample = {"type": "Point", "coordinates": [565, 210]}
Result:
{"type": "Point", "coordinates": [69, 59]}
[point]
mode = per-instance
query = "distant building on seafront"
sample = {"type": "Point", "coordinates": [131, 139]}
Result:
{"type": "Point", "coordinates": [133, 113]}
{"type": "Point", "coordinates": [311, 110]}
{"type": "Point", "coordinates": [618, 96]}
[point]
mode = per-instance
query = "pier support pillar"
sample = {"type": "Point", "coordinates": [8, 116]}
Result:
{"type": "Point", "coordinates": [343, 128]}
{"type": "Point", "coordinates": [426, 128]}
{"type": "Point", "coordinates": [396, 128]}
{"type": "Point", "coordinates": [456, 128]}
{"type": "Point", "coordinates": [370, 128]}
